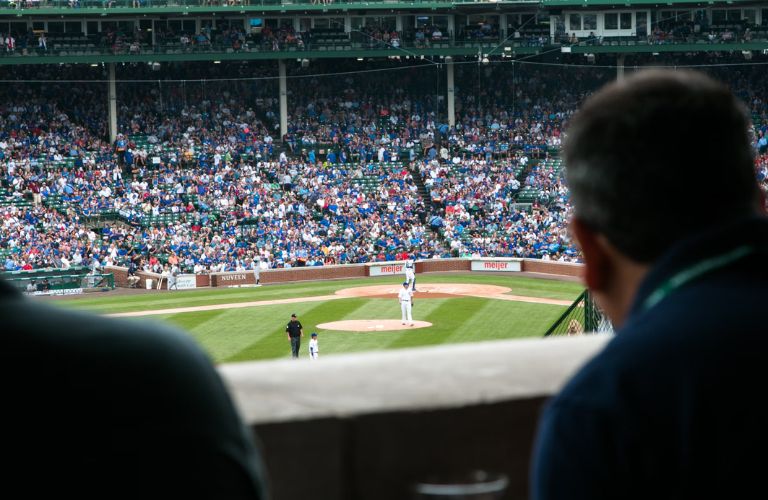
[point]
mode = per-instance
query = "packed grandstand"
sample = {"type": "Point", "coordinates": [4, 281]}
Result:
{"type": "Point", "coordinates": [370, 169]}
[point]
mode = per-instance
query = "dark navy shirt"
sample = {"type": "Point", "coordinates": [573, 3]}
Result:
{"type": "Point", "coordinates": [672, 407]}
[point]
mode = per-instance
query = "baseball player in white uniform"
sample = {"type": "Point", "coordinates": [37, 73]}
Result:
{"type": "Point", "coordinates": [406, 302]}
{"type": "Point", "coordinates": [314, 350]}
{"type": "Point", "coordinates": [410, 273]}
{"type": "Point", "coordinates": [256, 268]}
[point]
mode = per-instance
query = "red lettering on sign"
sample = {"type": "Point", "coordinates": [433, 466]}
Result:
{"type": "Point", "coordinates": [391, 269]}
{"type": "Point", "coordinates": [495, 265]}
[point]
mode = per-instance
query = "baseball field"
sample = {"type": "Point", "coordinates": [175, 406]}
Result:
{"type": "Point", "coordinates": [242, 324]}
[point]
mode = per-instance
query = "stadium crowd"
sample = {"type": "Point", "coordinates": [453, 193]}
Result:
{"type": "Point", "coordinates": [369, 170]}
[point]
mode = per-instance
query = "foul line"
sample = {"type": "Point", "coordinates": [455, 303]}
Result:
{"type": "Point", "coordinates": [523, 298]}
{"type": "Point", "coordinates": [216, 307]}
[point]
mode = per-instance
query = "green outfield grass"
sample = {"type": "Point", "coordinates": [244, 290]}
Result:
{"type": "Point", "coordinates": [253, 333]}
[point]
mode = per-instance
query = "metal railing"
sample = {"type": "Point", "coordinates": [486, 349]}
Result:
{"type": "Point", "coordinates": [234, 4]}
{"type": "Point", "coordinates": [91, 48]}
{"type": "Point", "coordinates": [41, 283]}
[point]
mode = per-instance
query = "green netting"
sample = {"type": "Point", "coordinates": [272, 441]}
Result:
{"type": "Point", "coordinates": [583, 316]}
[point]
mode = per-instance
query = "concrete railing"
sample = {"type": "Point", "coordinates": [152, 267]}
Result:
{"type": "Point", "coordinates": [367, 426]}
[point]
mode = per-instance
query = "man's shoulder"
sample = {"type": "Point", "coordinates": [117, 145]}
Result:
{"type": "Point", "coordinates": [596, 385]}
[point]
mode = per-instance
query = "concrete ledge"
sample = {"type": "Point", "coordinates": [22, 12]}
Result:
{"type": "Point", "coordinates": [406, 379]}
{"type": "Point", "coordinates": [371, 424]}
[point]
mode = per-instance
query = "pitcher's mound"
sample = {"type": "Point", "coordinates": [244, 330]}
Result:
{"type": "Point", "coordinates": [372, 325]}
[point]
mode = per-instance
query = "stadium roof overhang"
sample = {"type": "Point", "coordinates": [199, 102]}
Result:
{"type": "Point", "coordinates": [96, 9]}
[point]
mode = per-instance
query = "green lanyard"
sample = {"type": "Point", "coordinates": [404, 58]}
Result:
{"type": "Point", "coordinates": [690, 273]}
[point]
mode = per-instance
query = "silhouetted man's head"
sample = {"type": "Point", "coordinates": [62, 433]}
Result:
{"type": "Point", "coordinates": [659, 156]}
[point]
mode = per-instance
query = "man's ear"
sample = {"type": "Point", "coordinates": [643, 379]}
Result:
{"type": "Point", "coordinates": [597, 261]}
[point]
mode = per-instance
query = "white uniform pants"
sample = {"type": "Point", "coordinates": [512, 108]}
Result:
{"type": "Point", "coordinates": [405, 307]}
{"type": "Point", "coordinates": [410, 277]}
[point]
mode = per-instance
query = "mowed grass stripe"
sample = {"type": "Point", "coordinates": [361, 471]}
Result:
{"type": "Point", "coordinates": [423, 310]}
{"type": "Point", "coordinates": [505, 321]}
{"type": "Point", "coordinates": [230, 333]}
{"type": "Point", "coordinates": [452, 316]}
{"type": "Point", "coordinates": [194, 320]}
{"type": "Point", "coordinates": [269, 340]}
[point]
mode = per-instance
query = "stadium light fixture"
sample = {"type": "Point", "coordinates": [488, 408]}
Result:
{"type": "Point", "coordinates": [216, 62]}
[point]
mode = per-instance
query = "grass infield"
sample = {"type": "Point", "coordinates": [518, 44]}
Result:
{"type": "Point", "coordinates": [253, 333]}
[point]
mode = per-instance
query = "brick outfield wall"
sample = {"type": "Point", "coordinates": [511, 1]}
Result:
{"type": "Point", "coordinates": [341, 272]}
{"type": "Point", "coordinates": [554, 268]}
{"type": "Point", "coordinates": [441, 266]}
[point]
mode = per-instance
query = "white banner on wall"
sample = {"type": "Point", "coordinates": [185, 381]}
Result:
{"type": "Point", "coordinates": [497, 265]}
{"type": "Point", "coordinates": [386, 268]}
{"type": "Point", "coordinates": [186, 281]}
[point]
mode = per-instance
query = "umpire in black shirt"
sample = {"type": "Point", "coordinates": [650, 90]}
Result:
{"type": "Point", "coordinates": [295, 332]}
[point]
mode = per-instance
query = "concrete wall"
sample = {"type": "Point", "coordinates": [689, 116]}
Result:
{"type": "Point", "coordinates": [367, 426]}
{"type": "Point", "coordinates": [553, 268]}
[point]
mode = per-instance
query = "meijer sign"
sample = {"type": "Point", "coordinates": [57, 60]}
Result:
{"type": "Point", "coordinates": [495, 265]}
{"type": "Point", "coordinates": [386, 269]}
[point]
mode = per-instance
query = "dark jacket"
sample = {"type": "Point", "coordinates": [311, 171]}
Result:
{"type": "Point", "coordinates": [672, 407]}
{"type": "Point", "coordinates": [105, 408]}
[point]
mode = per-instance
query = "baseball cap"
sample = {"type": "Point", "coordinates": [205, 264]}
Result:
{"type": "Point", "coordinates": [293, 315]}
{"type": "Point", "coordinates": [405, 283]}
{"type": "Point", "coordinates": [314, 334]}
